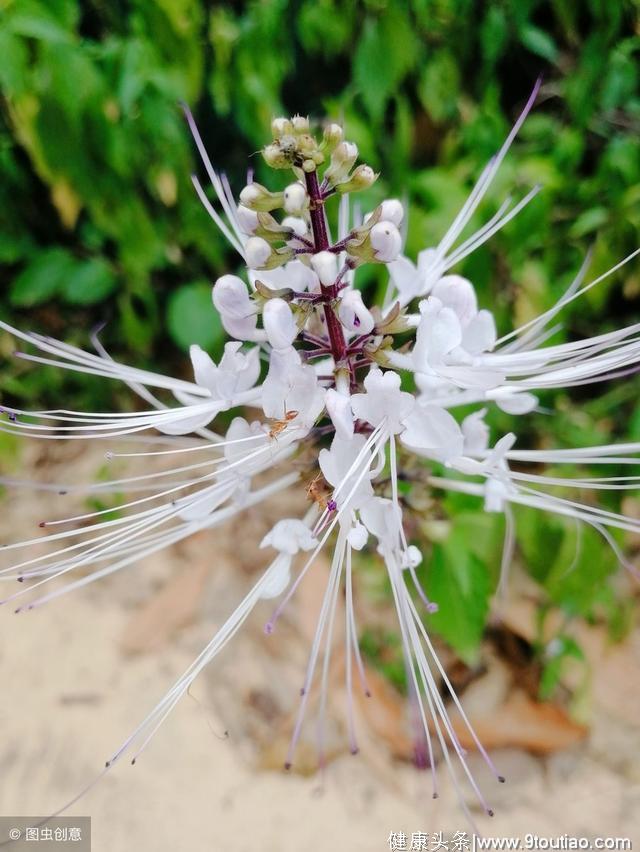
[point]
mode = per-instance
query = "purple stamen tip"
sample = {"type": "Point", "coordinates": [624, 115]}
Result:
{"type": "Point", "coordinates": [501, 779]}
{"type": "Point", "coordinates": [356, 321]}
{"type": "Point", "coordinates": [489, 812]}
{"type": "Point", "coordinates": [432, 607]}
{"type": "Point", "coordinates": [354, 750]}
{"type": "Point", "coordinates": [287, 765]}
{"type": "Point", "coordinates": [332, 506]}
{"type": "Point", "coordinates": [42, 524]}
{"type": "Point", "coordinates": [268, 628]}
{"type": "Point", "coordinates": [435, 795]}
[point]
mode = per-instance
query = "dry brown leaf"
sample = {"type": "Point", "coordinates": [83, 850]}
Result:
{"type": "Point", "coordinates": [539, 727]}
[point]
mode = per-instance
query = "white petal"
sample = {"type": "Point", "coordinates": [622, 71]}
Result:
{"type": "Point", "coordinates": [476, 432]}
{"type": "Point", "coordinates": [457, 293]}
{"type": "Point", "coordinates": [385, 241]}
{"type": "Point", "coordinates": [353, 313]}
{"type": "Point", "coordinates": [279, 324]}
{"type": "Point", "coordinates": [289, 536]}
{"type": "Point", "coordinates": [278, 578]}
{"type": "Point", "coordinates": [432, 431]}
{"type": "Point", "coordinates": [339, 410]}
{"type": "Point", "coordinates": [325, 265]}
{"type": "Point", "coordinates": [515, 403]}
{"type": "Point", "coordinates": [480, 334]}
{"type": "Point", "coordinates": [358, 536]}
{"type": "Point", "coordinates": [204, 369]}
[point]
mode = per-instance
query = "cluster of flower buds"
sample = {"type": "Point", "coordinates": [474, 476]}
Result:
{"type": "Point", "coordinates": [301, 233]}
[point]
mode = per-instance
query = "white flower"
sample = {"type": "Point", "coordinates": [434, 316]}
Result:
{"type": "Point", "coordinates": [383, 401]}
{"type": "Point", "coordinates": [353, 313]}
{"type": "Point", "coordinates": [346, 466]}
{"type": "Point", "coordinates": [237, 312]}
{"type": "Point", "coordinates": [237, 371]}
{"type": "Point", "coordinates": [294, 274]}
{"type": "Point", "coordinates": [291, 390]}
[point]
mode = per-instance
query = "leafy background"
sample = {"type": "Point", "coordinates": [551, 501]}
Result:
{"type": "Point", "coordinates": [100, 223]}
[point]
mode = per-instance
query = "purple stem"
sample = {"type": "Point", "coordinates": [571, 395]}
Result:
{"type": "Point", "coordinates": [321, 240]}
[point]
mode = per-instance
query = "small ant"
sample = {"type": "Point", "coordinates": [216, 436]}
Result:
{"type": "Point", "coordinates": [278, 426]}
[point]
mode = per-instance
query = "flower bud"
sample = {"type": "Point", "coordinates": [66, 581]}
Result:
{"type": "Point", "coordinates": [307, 145]}
{"type": "Point", "coordinates": [231, 298]}
{"type": "Point", "coordinates": [279, 324]}
{"type": "Point", "coordinates": [300, 124]}
{"type": "Point", "coordinates": [257, 197]}
{"type": "Point", "coordinates": [385, 241]}
{"type": "Point", "coordinates": [342, 160]}
{"type": "Point", "coordinates": [295, 198]}
{"type": "Point", "coordinates": [361, 178]}
{"type": "Point", "coordinates": [296, 224]}
{"type": "Point", "coordinates": [247, 219]}
{"type": "Point", "coordinates": [258, 252]}
{"type": "Point", "coordinates": [412, 557]}
{"type": "Point", "coordinates": [353, 314]}
{"type": "Point", "coordinates": [275, 156]}
{"type": "Point", "coordinates": [236, 308]}
{"type": "Point", "coordinates": [260, 255]}
{"type": "Point", "coordinates": [281, 127]}
{"type": "Point", "coordinates": [358, 536]}
{"type": "Point", "coordinates": [332, 136]}
{"type": "Point", "coordinates": [325, 265]}
{"type": "Point", "coordinates": [392, 211]}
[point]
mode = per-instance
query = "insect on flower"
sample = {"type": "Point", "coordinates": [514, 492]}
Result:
{"type": "Point", "coordinates": [334, 414]}
{"type": "Point", "coordinates": [278, 425]}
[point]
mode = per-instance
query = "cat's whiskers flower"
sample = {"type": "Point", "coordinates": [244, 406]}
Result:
{"type": "Point", "coordinates": [334, 413]}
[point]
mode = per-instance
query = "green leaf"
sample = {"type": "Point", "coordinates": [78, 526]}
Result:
{"type": "Point", "coordinates": [192, 318]}
{"type": "Point", "coordinates": [439, 85]}
{"type": "Point", "coordinates": [539, 42]}
{"type": "Point", "coordinates": [386, 51]}
{"type": "Point", "coordinates": [458, 581]}
{"type": "Point", "coordinates": [42, 278]}
{"type": "Point", "coordinates": [589, 221]}
{"type": "Point", "coordinates": [90, 282]}
{"type": "Point", "coordinates": [36, 21]}
{"type": "Point", "coordinates": [13, 68]}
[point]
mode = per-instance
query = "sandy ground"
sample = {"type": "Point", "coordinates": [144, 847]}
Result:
{"type": "Point", "coordinates": [79, 674]}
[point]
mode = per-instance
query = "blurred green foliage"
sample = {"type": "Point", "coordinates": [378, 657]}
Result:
{"type": "Point", "coordinates": [100, 222]}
